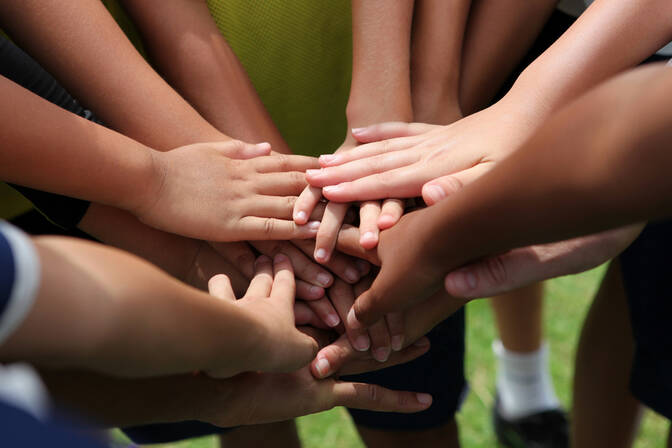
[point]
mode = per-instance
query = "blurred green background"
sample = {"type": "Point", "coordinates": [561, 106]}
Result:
{"type": "Point", "coordinates": [567, 302]}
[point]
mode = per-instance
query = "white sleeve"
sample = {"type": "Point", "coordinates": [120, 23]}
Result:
{"type": "Point", "coordinates": [22, 289]}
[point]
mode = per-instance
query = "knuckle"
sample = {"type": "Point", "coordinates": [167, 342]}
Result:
{"type": "Point", "coordinates": [282, 161]}
{"type": "Point", "coordinates": [451, 184]}
{"type": "Point", "coordinates": [268, 226]}
{"type": "Point", "coordinates": [496, 270]}
{"type": "Point", "coordinates": [372, 393]}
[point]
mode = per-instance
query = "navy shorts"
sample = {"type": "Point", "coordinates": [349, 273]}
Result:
{"type": "Point", "coordinates": [647, 278]}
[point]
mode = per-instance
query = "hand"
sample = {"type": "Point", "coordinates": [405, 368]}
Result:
{"type": "Point", "coordinates": [372, 215]}
{"type": "Point", "coordinates": [204, 193]}
{"type": "Point", "coordinates": [270, 301]}
{"type": "Point", "coordinates": [264, 398]}
{"type": "Point", "coordinates": [521, 267]}
{"type": "Point", "coordinates": [400, 167]}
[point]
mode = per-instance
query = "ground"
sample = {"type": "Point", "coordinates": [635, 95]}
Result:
{"type": "Point", "coordinates": [567, 301]}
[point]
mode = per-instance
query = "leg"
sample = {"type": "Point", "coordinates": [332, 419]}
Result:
{"type": "Point", "coordinates": [518, 316]}
{"type": "Point", "coordinates": [605, 413]}
{"type": "Point", "coordinates": [270, 435]}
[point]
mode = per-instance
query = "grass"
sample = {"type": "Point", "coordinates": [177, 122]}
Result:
{"type": "Point", "coordinates": [567, 301]}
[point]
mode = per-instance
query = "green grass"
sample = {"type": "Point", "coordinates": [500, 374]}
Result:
{"type": "Point", "coordinates": [567, 301]}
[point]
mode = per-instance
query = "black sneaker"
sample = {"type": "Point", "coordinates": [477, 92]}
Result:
{"type": "Point", "coordinates": [547, 429]}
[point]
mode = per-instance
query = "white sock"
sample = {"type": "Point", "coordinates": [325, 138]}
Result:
{"type": "Point", "coordinates": [524, 383]}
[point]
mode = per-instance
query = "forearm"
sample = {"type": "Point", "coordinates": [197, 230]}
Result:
{"type": "Point", "coordinates": [499, 33]}
{"type": "Point", "coordinates": [100, 67]}
{"type": "Point", "coordinates": [607, 39]}
{"type": "Point", "coordinates": [120, 402]}
{"type": "Point", "coordinates": [47, 148]}
{"type": "Point", "coordinates": [125, 317]}
{"type": "Point", "coordinates": [605, 163]}
{"type": "Point", "coordinates": [438, 32]}
{"type": "Point", "coordinates": [380, 89]}
{"type": "Point", "coordinates": [191, 53]}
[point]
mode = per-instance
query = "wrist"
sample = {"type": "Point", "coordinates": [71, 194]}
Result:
{"type": "Point", "coordinates": [149, 185]}
{"type": "Point", "coordinates": [364, 110]}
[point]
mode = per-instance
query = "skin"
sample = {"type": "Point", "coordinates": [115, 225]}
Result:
{"type": "Point", "coordinates": [118, 316]}
{"type": "Point", "coordinates": [78, 158]}
{"type": "Point", "coordinates": [599, 140]}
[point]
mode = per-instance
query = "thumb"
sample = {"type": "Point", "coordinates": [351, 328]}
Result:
{"type": "Point", "coordinates": [391, 129]}
{"type": "Point", "coordinates": [497, 275]}
{"type": "Point", "coordinates": [236, 149]}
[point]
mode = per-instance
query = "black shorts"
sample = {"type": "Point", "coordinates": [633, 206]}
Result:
{"type": "Point", "coordinates": [647, 278]}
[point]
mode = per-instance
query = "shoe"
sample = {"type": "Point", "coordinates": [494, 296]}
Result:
{"type": "Point", "coordinates": [547, 429]}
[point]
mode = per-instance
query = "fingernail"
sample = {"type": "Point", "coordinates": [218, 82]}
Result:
{"type": "Point", "coordinates": [322, 366]}
{"type": "Point", "coordinates": [381, 354]}
{"type": "Point", "coordinates": [352, 319]}
{"type": "Point", "coordinates": [357, 131]}
{"type": "Point", "coordinates": [332, 189]}
{"type": "Point", "coordinates": [362, 343]}
{"type": "Point", "coordinates": [263, 145]}
{"type": "Point", "coordinates": [313, 226]}
{"type": "Point", "coordinates": [423, 398]}
{"type": "Point", "coordinates": [279, 258]}
{"type": "Point", "coordinates": [463, 280]}
{"type": "Point", "coordinates": [397, 342]}
{"type": "Point", "coordinates": [316, 291]}
{"type": "Point", "coordinates": [321, 255]}
{"type": "Point", "coordinates": [351, 275]}
{"type": "Point", "coordinates": [363, 267]}
{"type": "Point", "coordinates": [423, 342]}
{"type": "Point", "coordinates": [314, 173]}
{"type": "Point", "coordinates": [300, 216]}
{"type": "Point", "coordinates": [435, 193]}
{"type": "Point", "coordinates": [332, 320]}
{"type": "Point", "coordinates": [323, 279]}
{"type": "Point", "coordinates": [368, 236]}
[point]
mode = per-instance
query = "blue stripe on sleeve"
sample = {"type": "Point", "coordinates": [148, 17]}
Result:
{"type": "Point", "coordinates": [7, 273]}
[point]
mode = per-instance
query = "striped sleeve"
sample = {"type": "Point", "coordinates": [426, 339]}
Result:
{"type": "Point", "coordinates": [19, 278]}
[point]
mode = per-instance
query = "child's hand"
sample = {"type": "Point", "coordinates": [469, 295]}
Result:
{"type": "Point", "coordinates": [280, 346]}
{"type": "Point", "coordinates": [400, 167]}
{"type": "Point", "coordinates": [204, 193]}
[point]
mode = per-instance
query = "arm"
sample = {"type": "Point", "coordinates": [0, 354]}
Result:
{"type": "Point", "coordinates": [189, 50]}
{"type": "Point", "coordinates": [126, 317]}
{"type": "Point", "coordinates": [597, 171]}
{"type": "Point", "coordinates": [438, 35]}
{"type": "Point", "coordinates": [101, 68]}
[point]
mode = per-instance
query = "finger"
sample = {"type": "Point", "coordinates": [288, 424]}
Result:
{"type": "Point", "coordinates": [438, 189]}
{"type": "Point", "coordinates": [286, 183]}
{"type": "Point", "coordinates": [395, 324]}
{"type": "Point", "coordinates": [403, 182]}
{"type": "Point", "coordinates": [325, 311]}
{"type": "Point", "coordinates": [220, 286]}
{"type": "Point", "coordinates": [284, 162]}
{"type": "Point", "coordinates": [342, 297]}
{"type": "Point", "coordinates": [362, 168]}
{"type": "Point", "coordinates": [236, 149]}
{"type": "Point", "coordinates": [380, 341]}
{"type": "Point", "coordinates": [369, 150]}
{"type": "Point", "coordinates": [392, 129]}
{"type": "Point", "coordinates": [306, 291]}
{"type": "Point", "coordinates": [257, 228]}
{"type": "Point", "coordinates": [284, 285]}
{"type": "Point", "coordinates": [390, 213]}
{"type": "Point", "coordinates": [304, 268]}
{"type": "Point", "coordinates": [344, 267]}
{"type": "Point", "coordinates": [305, 204]}
{"type": "Point", "coordinates": [377, 398]}
{"type": "Point", "coordinates": [339, 358]}
{"type": "Point", "coordinates": [303, 315]}
{"type": "Point", "coordinates": [238, 254]}
{"type": "Point", "coordinates": [262, 282]}
{"type": "Point", "coordinates": [325, 241]}
{"type": "Point", "coordinates": [348, 243]}
{"type": "Point", "coordinates": [369, 213]}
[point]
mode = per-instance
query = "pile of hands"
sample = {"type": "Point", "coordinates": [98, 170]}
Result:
{"type": "Point", "coordinates": [363, 276]}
